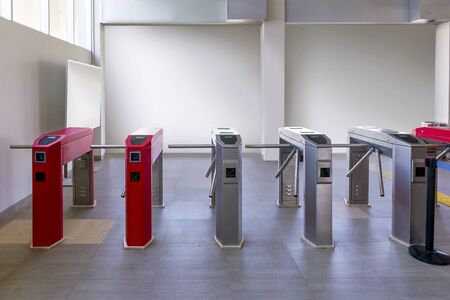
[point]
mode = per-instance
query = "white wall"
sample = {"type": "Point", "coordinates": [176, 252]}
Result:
{"type": "Point", "coordinates": [183, 79]}
{"type": "Point", "coordinates": [339, 76]}
{"type": "Point", "coordinates": [32, 91]}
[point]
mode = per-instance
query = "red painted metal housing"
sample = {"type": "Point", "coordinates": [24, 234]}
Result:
{"type": "Point", "coordinates": [143, 147]}
{"type": "Point", "coordinates": [50, 152]}
{"type": "Point", "coordinates": [440, 134]}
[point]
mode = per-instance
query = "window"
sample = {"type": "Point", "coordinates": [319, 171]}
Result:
{"type": "Point", "coordinates": [61, 19]}
{"type": "Point", "coordinates": [83, 23]}
{"type": "Point", "coordinates": [69, 20]}
{"type": "Point", "coordinates": [31, 13]}
{"type": "Point", "coordinates": [5, 9]}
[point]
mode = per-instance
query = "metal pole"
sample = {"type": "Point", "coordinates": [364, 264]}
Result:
{"type": "Point", "coordinates": [108, 146]}
{"type": "Point", "coordinates": [191, 146]}
{"type": "Point", "coordinates": [267, 146]}
{"type": "Point", "coordinates": [285, 163]}
{"type": "Point", "coordinates": [431, 195]}
{"type": "Point", "coordinates": [19, 147]}
{"type": "Point", "coordinates": [356, 166]}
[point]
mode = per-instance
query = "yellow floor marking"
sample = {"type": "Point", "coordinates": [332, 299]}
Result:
{"type": "Point", "coordinates": [85, 231]}
{"type": "Point", "coordinates": [443, 199]}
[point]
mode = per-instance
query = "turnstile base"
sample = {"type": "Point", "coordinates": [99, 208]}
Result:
{"type": "Point", "coordinates": [85, 205]}
{"type": "Point", "coordinates": [45, 247]}
{"type": "Point", "coordinates": [282, 205]}
{"type": "Point", "coordinates": [125, 245]}
{"type": "Point", "coordinates": [347, 203]}
{"type": "Point", "coordinates": [317, 246]}
{"type": "Point", "coordinates": [430, 257]}
{"type": "Point", "coordinates": [218, 243]}
{"type": "Point", "coordinates": [399, 241]}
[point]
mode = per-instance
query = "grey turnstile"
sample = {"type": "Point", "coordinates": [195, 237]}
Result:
{"type": "Point", "coordinates": [409, 178]}
{"type": "Point", "coordinates": [83, 170]}
{"type": "Point", "coordinates": [306, 172]}
{"type": "Point", "coordinates": [226, 185]}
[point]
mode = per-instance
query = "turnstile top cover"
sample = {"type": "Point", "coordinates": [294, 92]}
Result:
{"type": "Point", "coordinates": [386, 137]}
{"type": "Point", "coordinates": [440, 134]}
{"type": "Point", "coordinates": [302, 134]}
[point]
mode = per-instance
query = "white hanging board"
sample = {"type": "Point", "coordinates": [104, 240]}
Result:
{"type": "Point", "coordinates": [84, 95]}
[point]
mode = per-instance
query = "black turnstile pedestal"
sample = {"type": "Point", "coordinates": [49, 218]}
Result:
{"type": "Point", "coordinates": [426, 253]}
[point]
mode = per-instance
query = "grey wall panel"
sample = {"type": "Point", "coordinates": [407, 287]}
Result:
{"type": "Point", "coordinates": [164, 11]}
{"type": "Point", "coordinates": [435, 9]}
{"type": "Point", "coordinates": [248, 9]}
{"type": "Point", "coordinates": [377, 11]}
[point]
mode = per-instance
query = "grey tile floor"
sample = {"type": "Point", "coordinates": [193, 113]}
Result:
{"type": "Point", "coordinates": [184, 262]}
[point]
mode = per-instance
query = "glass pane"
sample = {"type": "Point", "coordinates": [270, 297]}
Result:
{"type": "Point", "coordinates": [27, 12]}
{"type": "Point", "coordinates": [5, 9]}
{"type": "Point", "coordinates": [61, 19]}
{"type": "Point", "coordinates": [83, 23]}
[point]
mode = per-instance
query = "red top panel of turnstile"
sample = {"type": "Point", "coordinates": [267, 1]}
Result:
{"type": "Point", "coordinates": [65, 136]}
{"type": "Point", "coordinates": [73, 142]}
{"type": "Point", "coordinates": [441, 134]}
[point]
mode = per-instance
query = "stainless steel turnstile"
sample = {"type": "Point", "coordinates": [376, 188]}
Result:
{"type": "Point", "coordinates": [226, 185]}
{"type": "Point", "coordinates": [409, 178]}
{"type": "Point", "coordinates": [306, 172]}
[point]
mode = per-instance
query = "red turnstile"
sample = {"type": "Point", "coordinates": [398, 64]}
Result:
{"type": "Point", "coordinates": [143, 184]}
{"type": "Point", "coordinates": [439, 134]}
{"type": "Point", "coordinates": [50, 152]}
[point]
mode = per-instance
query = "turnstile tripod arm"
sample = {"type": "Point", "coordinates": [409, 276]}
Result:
{"type": "Point", "coordinates": [124, 192]}
{"type": "Point", "coordinates": [443, 153]}
{"type": "Point", "coordinates": [286, 163]}
{"type": "Point", "coordinates": [361, 161]}
{"type": "Point", "coordinates": [211, 167]}
{"type": "Point", "coordinates": [380, 173]}
{"type": "Point", "coordinates": [212, 189]}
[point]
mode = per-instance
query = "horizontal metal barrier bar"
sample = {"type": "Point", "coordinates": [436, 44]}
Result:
{"type": "Point", "coordinates": [268, 146]}
{"type": "Point", "coordinates": [191, 146]}
{"type": "Point", "coordinates": [108, 146]}
{"type": "Point", "coordinates": [21, 147]}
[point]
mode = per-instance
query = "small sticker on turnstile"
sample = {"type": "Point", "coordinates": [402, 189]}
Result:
{"type": "Point", "coordinates": [230, 172]}
{"type": "Point", "coordinates": [135, 177]}
{"type": "Point", "coordinates": [40, 157]}
{"type": "Point", "coordinates": [135, 156]}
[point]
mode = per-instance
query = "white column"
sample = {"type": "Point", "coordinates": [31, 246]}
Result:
{"type": "Point", "coordinates": [442, 76]}
{"type": "Point", "coordinates": [272, 75]}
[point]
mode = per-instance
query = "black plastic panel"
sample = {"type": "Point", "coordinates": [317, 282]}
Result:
{"type": "Point", "coordinates": [48, 139]}
{"type": "Point", "coordinates": [39, 177]}
{"type": "Point", "coordinates": [229, 139]}
{"type": "Point", "coordinates": [420, 171]}
{"type": "Point", "coordinates": [317, 139]}
{"type": "Point", "coordinates": [135, 156]}
{"type": "Point", "coordinates": [325, 172]}
{"type": "Point", "coordinates": [230, 172]}
{"type": "Point", "coordinates": [408, 138]}
{"type": "Point", "coordinates": [138, 139]}
{"type": "Point", "coordinates": [135, 177]}
{"type": "Point", "coordinates": [40, 157]}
